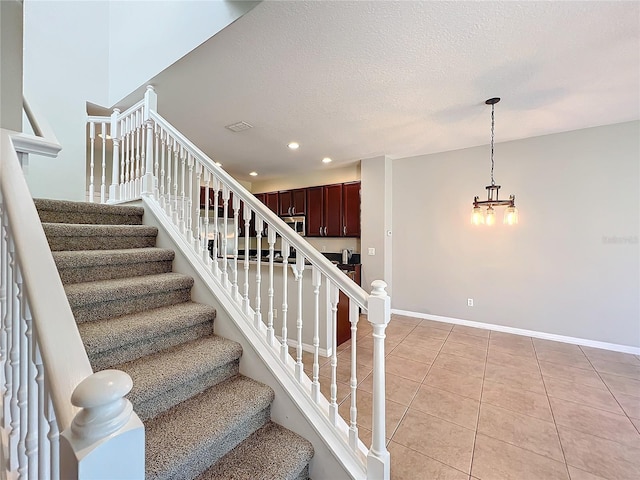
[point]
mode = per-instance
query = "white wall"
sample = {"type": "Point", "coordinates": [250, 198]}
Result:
{"type": "Point", "coordinates": [571, 266]}
{"type": "Point", "coordinates": [65, 52]}
{"type": "Point", "coordinates": [147, 37]}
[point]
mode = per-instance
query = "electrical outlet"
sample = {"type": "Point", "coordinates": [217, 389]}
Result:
{"type": "Point", "coordinates": [469, 302]}
{"type": "Point", "coordinates": [372, 251]}
{"type": "Point", "coordinates": [324, 248]}
{"type": "Point", "coordinates": [275, 313]}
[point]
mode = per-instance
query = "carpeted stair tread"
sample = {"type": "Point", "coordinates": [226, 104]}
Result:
{"type": "Point", "coordinates": [155, 374]}
{"type": "Point", "coordinates": [129, 337]}
{"type": "Point", "coordinates": [71, 236]}
{"type": "Point", "coordinates": [184, 441]}
{"type": "Point", "coordinates": [76, 266]}
{"type": "Point", "coordinates": [271, 453]}
{"type": "Point", "coordinates": [63, 211]}
{"type": "Point", "coordinates": [115, 289]}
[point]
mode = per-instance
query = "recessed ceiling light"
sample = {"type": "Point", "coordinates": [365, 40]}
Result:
{"type": "Point", "coordinates": [294, 145]}
{"type": "Point", "coordinates": [254, 174]}
{"type": "Point", "coordinates": [218, 164]}
{"type": "Point", "coordinates": [108, 137]}
{"type": "Point", "coordinates": [326, 160]}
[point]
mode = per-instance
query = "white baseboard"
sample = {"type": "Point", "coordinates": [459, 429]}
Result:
{"type": "Point", "coordinates": [520, 331]}
{"type": "Point", "coordinates": [323, 352]}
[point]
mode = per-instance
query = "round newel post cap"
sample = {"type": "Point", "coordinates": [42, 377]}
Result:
{"type": "Point", "coordinates": [378, 288]}
{"type": "Point", "coordinates": [150, 87]}
{"type": "Point", "coordinates": [101, 388]}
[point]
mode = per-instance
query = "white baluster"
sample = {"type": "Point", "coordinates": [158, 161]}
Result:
{"type": "Point", "coordinates": [183, 195]}
{"type": "Point", "coordinates": [333, 294]}
{"type": "Point", "coordinates": [236, 213]}
{"type": "Point", "coordinates": [31, 439]}
{"type": "Point", "coordinates": [5, 324]}
{"type": "Point", "coordinates": [43, 425]}
{"type": "Point", "coordinates": [189, 205]}
{"type": "Point", "coordinates": [197, 242]}
{"type": "Point", "coordinates": [247, 234]}
{"type": "Point", "coordinates": [378, 315]}
{"type": "Point", "coordinates": [92, 134]}
{"type": "Point", "coordinates": [103, 177]}
{"type": "Point", "coordinates": [24, 378]}
{"type": "Point", "coordinates": [299, 269]}
{"type": "Point", "coordinates": [114, 189]}
{"type": "Point", "coordinates": [176, 161]}
{"type": "Point", "coordinates": [156, 169]}
{"type": "Point", "coordinates": [353, 412]}
{"type": "Point", "coordinates": [127, 161]}
{"type": "Point", "coordinates": [205, 241]}
{"type": "Point", "coordinates": [284, 352]}
{"type": "Point", "coordinates": [316, 280]}
{"type": "Point", "coordinates": [123, 162]}
{"type": "Point", "coordinates": [225, 236]}
{"type": "Point", "coordinates": [54, 434]}
{"type": "Point", "coordinates": [259, 228]}
{"type": "Point", "coordinates": [138, 153]}
{"type": "Point", "coordinates": [214, 250]}
{"type": "Point", "coordinates": [271, 240]}
{"type": "Point", "coordinates": [163, 172]}
{"type": "Point", "coordinates": [14, 357]}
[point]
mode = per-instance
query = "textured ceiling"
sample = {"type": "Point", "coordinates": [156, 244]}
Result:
{"type": "Point", "coordinates": [352, 80]}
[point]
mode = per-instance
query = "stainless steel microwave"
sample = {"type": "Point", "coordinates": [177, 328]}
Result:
{"type": "Point", "coordinates": [298, 223]}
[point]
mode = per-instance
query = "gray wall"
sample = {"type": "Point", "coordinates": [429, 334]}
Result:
{"type": "Point", "coordinates": [11, 65]}
{"type": "Point", "coordinates": [571, 267]}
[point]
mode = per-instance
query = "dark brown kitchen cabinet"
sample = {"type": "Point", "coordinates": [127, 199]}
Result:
{"type": "Point", "coordinates": [333, 210]}
{"type": "Point", "coordinates": [351, 209]}
{"type": "Point", "coordinates": [293, 202]}
{"type": "Point", "coordinates": [270, 199]}
{"type": "Point", "coordinates": [324, 211]}
{"type": "Point", "coordinates": [315, 211]}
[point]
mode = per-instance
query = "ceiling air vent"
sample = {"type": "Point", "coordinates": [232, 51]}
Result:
{"type": "Point", "coordinates": [239, 127]}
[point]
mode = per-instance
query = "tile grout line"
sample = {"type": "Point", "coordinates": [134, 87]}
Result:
{"type": "Point", "coordinates": [475, 436]}
{"type": "Point", "coordinates": [614, 397]}
{"type": "Point", "coordinates": [553, 416]}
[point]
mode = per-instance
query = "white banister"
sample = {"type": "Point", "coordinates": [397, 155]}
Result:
{"type": "Point", "coordinates": [43, 358]}
{"type": "Point", "coordinates": [183, 178]}
{"type": "Point", "coordinates": [114, 190]}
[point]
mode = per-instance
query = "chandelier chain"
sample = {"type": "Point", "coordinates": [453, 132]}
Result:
{"type": "Point", "coordinates": [493, 182]}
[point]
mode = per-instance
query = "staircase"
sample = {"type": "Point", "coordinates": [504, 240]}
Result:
{"type": "Point", "coordinates": [202, 418]}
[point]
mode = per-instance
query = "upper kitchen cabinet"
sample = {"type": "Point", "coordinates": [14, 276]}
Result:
{"type": "Point", "coordinates": [324, 211]}
{"type": "Point", "coordinates": [351, 209]}
{"type": "Point", "coordinates": [270, 199]}
{"type": "Point", "coordinates": [293, 202]}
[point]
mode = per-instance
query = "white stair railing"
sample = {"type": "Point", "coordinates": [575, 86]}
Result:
{"type": "Point", "coordinates": [58, 419]}
{"type": "Point", "coordinates": [236, 239]}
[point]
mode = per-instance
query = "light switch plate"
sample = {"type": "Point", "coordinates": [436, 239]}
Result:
{"type": "Point", "coordinates": [372, 251]}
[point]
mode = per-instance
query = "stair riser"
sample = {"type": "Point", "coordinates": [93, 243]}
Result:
{"type": "Point", "coordinates": [170, 398]}
{"type": "Point", "coordinates": [49, 216]}
{"type": "Point", "coordinates": [109, 272]}
{"type": "Point", "coordinates": [124, 306]}
{"type": "Point", "coordinates": [200, 459]}
{"type": "Point", "coordinates": [59, 243]}
{"type": "Point", "coordinates": [127, 353]}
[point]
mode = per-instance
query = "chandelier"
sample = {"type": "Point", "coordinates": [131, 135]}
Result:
{"type": "Point", "coordinates": [478, 217]}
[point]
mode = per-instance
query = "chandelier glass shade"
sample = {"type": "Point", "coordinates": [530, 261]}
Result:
{"type": "Point", "coordinates": [478, 215]}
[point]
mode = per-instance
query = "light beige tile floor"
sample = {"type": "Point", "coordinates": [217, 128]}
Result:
{"type": "Point", "coordinates": [466, 403]}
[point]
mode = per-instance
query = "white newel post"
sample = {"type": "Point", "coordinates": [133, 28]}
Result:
{"type": "Point", "coordinates": [150, 103]}
{"type": "Point", "coordinates": [106, 438]}
{"type": "Point", "coordinates": [114, 188]}
{"type": "Point", "coordinates": [379, 314]}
